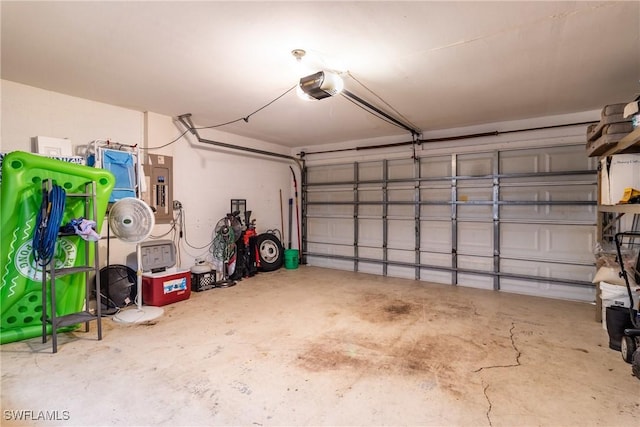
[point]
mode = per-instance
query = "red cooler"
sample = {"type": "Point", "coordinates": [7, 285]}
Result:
{"type": "Point", "coordinates": [166, 288]}
{"type": "Point", "coordinates": [161, 283]}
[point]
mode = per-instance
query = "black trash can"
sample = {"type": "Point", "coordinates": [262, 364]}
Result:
{"type": "Point", "coordinates": [618, 319]}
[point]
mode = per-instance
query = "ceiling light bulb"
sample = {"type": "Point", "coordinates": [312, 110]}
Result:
{"type": "Point", "coordinates": [302, 95]}
{"type": "Point", "coordinates": [298, 54]}
{"type": "Point", "coordinates": [338, 83]}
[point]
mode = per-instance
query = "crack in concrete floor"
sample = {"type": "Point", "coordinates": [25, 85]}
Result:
{"type": "Point", "coordinates": [514, 365]}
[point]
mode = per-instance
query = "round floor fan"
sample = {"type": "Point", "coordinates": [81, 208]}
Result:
{"type": "Point", "coordinates": [132, 221]}
{"type": "Point", "coordinates": [226, 232]}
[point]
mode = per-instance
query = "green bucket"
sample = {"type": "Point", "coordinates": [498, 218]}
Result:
{"type": "Point", "coordinates": [291, 259]}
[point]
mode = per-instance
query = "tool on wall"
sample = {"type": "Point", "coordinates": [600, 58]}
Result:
{"type": "Point", "coordinates": [282, 217]}
{"type": "Point", "coordinates": [295, 187]}
{"type": "Point", "coordinates": [290, 220]}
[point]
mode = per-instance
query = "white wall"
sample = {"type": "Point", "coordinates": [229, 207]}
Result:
{"type": "Point", "coordinates": [205, 178]}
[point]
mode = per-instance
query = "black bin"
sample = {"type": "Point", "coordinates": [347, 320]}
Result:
{"type": "Point", "coordinates": [618, 319]}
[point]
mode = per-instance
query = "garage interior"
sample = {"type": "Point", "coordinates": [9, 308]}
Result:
{"type": "Point", "coordinates": [431, 230]}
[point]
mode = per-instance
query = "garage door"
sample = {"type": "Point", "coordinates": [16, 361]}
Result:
{"type": "Point", "coordinates": [518, 220]}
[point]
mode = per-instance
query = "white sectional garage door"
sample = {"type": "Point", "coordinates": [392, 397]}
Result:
{"type": "Point", "coordinates": [519, 220]}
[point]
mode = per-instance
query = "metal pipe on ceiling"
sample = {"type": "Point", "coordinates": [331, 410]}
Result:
{"type": "Point", "coordinates": [185, 120]}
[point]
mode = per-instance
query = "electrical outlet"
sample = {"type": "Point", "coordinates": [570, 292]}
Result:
{"type": "Point", "coordinates": [177, 205]}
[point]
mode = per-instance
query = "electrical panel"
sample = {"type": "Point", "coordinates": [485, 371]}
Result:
{"type": "Point", "coordinates": [158, 171]}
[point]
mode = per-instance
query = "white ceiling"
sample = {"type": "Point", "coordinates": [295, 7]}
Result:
{"type": "Point", "coordinates": [439, 64]}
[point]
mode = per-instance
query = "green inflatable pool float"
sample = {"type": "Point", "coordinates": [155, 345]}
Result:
{"type": "Point", "coordinates": [21, 277]}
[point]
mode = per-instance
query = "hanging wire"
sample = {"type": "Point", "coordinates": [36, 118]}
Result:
{"type": "Point", "coordinates": [246, 118]}
{"type": "Point", "coordinates": [171, 230]}
{"type": "Point", "coordinates": [167, 144]}
{"type": "Point", "coordinates": [183, 230]}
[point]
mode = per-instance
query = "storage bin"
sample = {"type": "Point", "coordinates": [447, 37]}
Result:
{"type": "Point", "coordinates": [203, 281]}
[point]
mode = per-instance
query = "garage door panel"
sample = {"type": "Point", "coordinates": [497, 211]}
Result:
{"type": "Point", "coordinates": [575, 192]}
{"type": "Point", "coordinates": [565, 159]}
{"type": "Point", "coordinates": [330, 195]}
{"type": "Point", "coordinates": [330, 230]}
{"type": "Point", "coordinates": [401, 272]}
{"type": "Point", "coordinates": [571, 244]}
{"type": "Point", "coordinates": [398, 169]}
{"type": "Point", "coordinates": [401, 194]}
{"type": "Point", "coordinates": [330, 249]}
{"type": "Point", "coordinates": [369, 252]}
{"type": "Point", "coordinates": [476, 164]}
{"type": "Point", "coordinates": [475, 238]}
{"type": "Point", "coordinates": [370, 195]}
{"type": "Point", "coordinates": [405, 211]}
{"type": "Point", "coordinates": [475, 281]}
{"type": "Point", "coordinates": [336, 264]}
{"type": "Point", "coordinates": [437, 259]}
{"type": "Point", "coordinates": [330, 173]}
{"type": "Point", "coordinates": [401, 256]}
{"type": "Point", "coordinates": [548, 290]}
{"type": "Point", "coordinates": [579, 273]}
{"type": "Point", "coordinates": [561, 213]}
{"type": "Point", "coordinates": [435, 236]}
{"type": "Point", "coordinates": [435, 276]}
{"type": "Point", "coordinates": [370, 268]}
{"type": "Point", "coordinates": [369, 171]}
{"type": "Point", "coordinates": [547, 242]}
{"type": "Point", "coordinates": [369, 232]}
{"type": "Point", "coordinates": [365, 210]}
{"type": "Point", "coordinates": [481, 212]}
{"type": "Point", "coordinates": [435, 167]}
{"type": "Point", "coordinates": [520, 161]}
{"type": "Point", "coordinates": [468, 262]}
{"type": "Point", "coordinates": [435, 211]}
{"type": "Point", "coordinates": [330, 210]}
{"type": "Point", "coordinates": [547, 159]}
{"type": "Point", "coordinates": [401, 234]}
{"type": "Point", "coordinates": [436, 194]}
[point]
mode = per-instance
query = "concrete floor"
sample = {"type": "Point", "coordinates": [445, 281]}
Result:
{"type": "Point", "coordinates": [322, 347]}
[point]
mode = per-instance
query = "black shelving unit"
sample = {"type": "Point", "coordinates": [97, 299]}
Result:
{"type": "Point", "coordinates": [85, 316]}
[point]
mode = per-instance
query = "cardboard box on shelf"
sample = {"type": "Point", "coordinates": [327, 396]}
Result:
{"type": "Point", "coordinates": [618, 173]}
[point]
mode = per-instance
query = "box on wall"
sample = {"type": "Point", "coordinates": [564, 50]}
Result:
{"type": "Point", "coordinates": [160, 289]}
{"type": "Point", "coordinates": [617, 173]}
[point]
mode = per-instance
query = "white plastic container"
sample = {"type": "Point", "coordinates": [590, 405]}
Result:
{"type": "Point", "coordinates": [615, 295]}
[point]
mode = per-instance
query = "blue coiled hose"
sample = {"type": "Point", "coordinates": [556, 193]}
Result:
{"type": "Point", "coordinates": [48, 223]}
